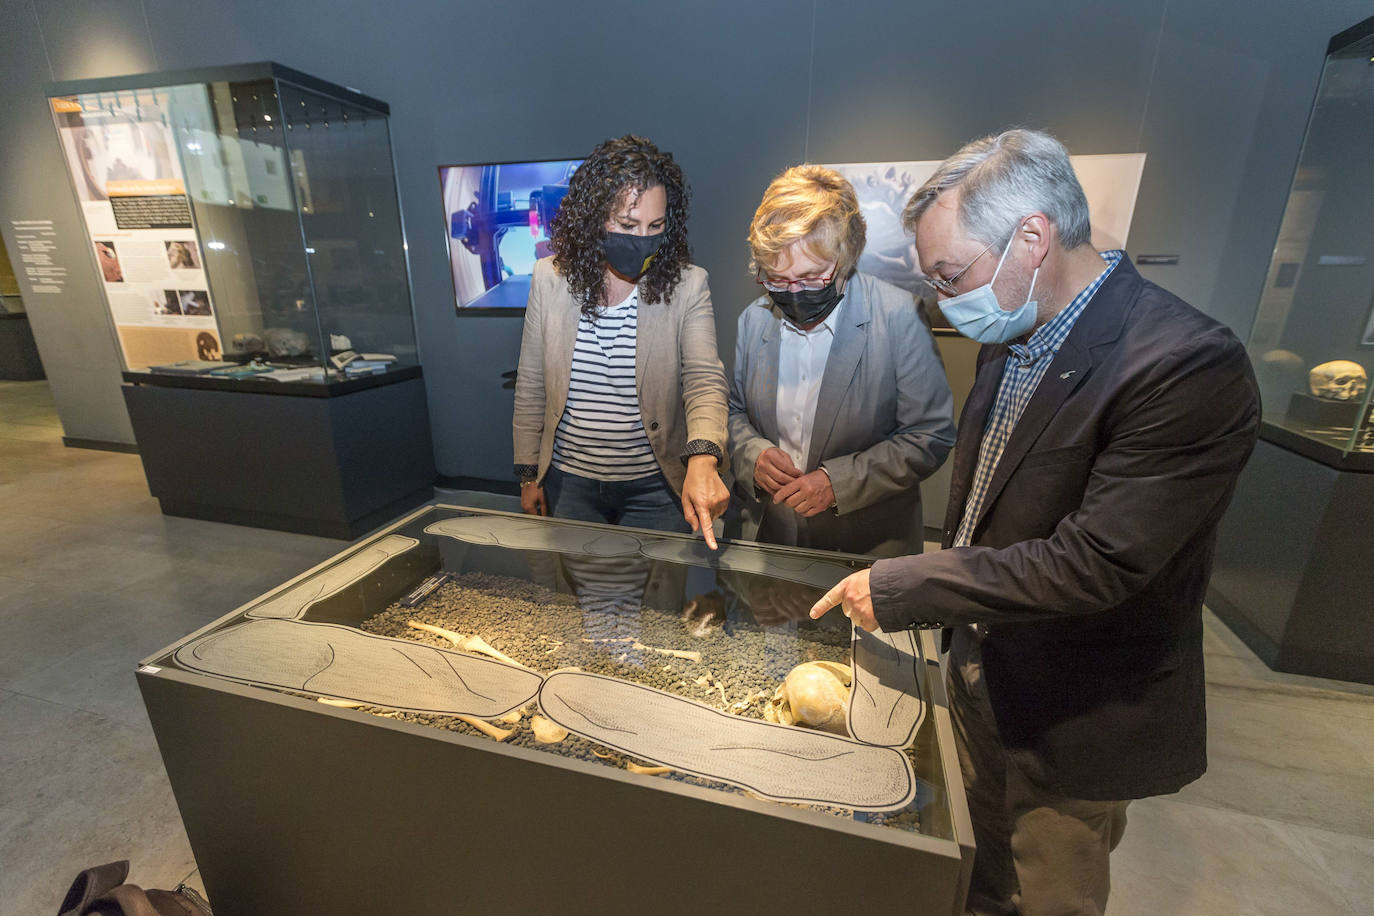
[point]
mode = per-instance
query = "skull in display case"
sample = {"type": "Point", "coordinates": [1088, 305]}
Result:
{"type": "Point", "coordinates": [1338, 380]}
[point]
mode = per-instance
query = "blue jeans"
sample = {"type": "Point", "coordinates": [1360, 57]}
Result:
{"type": "Point", "coordinates": [648, 502]}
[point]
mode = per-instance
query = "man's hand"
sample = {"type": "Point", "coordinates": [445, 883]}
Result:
{"type": "Point", "coordinates": [774, 470]}
{"type": "Point", "coordinates": [532, 501]}
{"type": "Point", "coordinates": [852, 596]}
{"type": "Point", "coordinates": [807, 494]}
{"type": "Point", "coordinates": [704, 496]}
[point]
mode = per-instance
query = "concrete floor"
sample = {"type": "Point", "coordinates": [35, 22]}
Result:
{"type": "Point", "coordinates": [93, 578]}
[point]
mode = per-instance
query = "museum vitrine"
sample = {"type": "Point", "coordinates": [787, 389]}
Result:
{"type": "Point", "coordinates": [1292, 576]}
{"type": "Point", "coordinates": [1312, 342]}
{"type": "Point", "coordinates": [244, 221]}
{"type": "Point", "coordinates": [534, 713]}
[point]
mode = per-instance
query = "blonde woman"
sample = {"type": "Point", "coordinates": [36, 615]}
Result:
{"type": "Point", "coordinates": [839, 407]}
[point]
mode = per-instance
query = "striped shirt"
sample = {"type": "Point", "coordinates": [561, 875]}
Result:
{"type": "Point", "coordinates": [601, 433]}
{"type": "Point", "coordinates": [1025, 366]}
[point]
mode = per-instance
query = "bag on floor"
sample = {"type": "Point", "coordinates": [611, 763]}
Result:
{"type": "Point", "coordinates": [102, 891]}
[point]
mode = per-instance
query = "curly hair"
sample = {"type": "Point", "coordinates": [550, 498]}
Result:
{"type": "Point", "coordinates": [632, 165]}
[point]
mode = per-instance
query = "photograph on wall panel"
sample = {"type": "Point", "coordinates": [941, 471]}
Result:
{"type": "Point", "coordinates": [1110, 182]}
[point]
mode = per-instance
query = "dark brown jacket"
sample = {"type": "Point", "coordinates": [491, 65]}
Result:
{"type": "Point", "coordinates": [1092, 554]}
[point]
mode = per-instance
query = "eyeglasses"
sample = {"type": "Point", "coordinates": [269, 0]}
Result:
{"type": "Point", "coordinates": [810, 284]}
{"type": "Point", "coordinates": [947, 286]}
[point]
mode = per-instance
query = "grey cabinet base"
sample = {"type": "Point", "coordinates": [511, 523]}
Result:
{"type": "Point", "coordinates": [295, 807]}
{"type": "Point", "coordinates": [1293, 577]}
{"type": "Point", "coordinates": [19, 361]}
{"type": "Point", "coordinates": [332, 466]}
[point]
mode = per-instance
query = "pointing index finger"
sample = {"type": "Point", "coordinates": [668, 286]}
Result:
{"type": "Point", "coordinates": [829, 600]}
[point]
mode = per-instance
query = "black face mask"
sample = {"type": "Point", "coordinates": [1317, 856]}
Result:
{"type": "Point", "coordinates": [807, 306]}
{"type": "Point", "coordinates": [630, 255]}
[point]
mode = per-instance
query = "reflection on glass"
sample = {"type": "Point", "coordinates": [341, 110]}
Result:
{"type": "Point", "coordinates": [656, 666]}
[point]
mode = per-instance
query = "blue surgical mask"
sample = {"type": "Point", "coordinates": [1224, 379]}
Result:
{"type": "Point", "coordinates": [977, 313]}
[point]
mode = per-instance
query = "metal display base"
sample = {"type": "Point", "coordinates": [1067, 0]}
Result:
{"type": "Point", "coordinates": [1292, 576]}
{"type": "Point", "coordinates": [329, 466]}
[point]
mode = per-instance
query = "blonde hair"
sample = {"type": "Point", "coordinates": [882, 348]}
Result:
{"type": "Point", "coordinates": [813, 205]}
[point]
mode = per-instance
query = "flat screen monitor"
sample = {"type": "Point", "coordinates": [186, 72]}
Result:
{"type": "Point", "coordinates": [497, 216]}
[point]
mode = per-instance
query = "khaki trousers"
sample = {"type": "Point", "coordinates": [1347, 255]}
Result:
{"type": "Point", "coordinates": [1039, 854]}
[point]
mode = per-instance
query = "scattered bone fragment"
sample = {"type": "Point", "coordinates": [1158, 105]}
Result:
{"type": "Point", "coordinates": [513, 717]}
{"type": "Point", "coordinates": [636, 644]}
{"type": "Point", "coordinates": [596, 753]}
{"type": "Point", "coordinates": [345, 704]}
{"type": "Point", "coordinates": [486, 728]}
{"type": "Point", "coordinates": [747, 703]}
{"type": "Point", "coordinates": [633, 767]}
{"type": "Point", "coordinates": [474, 644]}
{"type": "Point", "coordinates": [547, 731]}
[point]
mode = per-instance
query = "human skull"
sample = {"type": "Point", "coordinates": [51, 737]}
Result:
{"type": "Point", "coordinates": [246, 343]}
{"type": "Point", "coordinates": [285, 342]}
{"type": "Point", "coordinates": [1338, 380]}
{"type": "Point", "coordinates": [813, 694]}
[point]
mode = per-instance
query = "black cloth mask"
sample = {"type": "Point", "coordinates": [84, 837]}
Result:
{"type": "Point", "coordinates": [630, 255]}
{"type": "Point", "coordinates": [807, 306]}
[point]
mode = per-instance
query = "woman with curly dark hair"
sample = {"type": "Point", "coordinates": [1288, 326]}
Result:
{"type": "Point", "coordinates": [620, 399]}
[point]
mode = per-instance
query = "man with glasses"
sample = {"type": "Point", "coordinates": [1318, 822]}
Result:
{"type": "Point", "coordinates": [839, 406]}
{"type": "Point", "coordinates": [1097, 451]}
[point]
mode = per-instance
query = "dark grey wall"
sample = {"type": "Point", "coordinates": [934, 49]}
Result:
{"type": "Point", "coordinates": [1216, 93]}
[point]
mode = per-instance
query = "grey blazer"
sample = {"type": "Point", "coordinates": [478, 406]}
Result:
{"type": "Point", "coordinates": [678, 374]}
{"type": "Point", "coordinates": [883, 422]}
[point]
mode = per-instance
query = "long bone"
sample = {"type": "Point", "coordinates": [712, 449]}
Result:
{"type": "Point", "coordinates": [486, 728]}
{"type": "Point", "coordinates": [636, 644]}
{"type": "Point", "coordinates": [475, 644]}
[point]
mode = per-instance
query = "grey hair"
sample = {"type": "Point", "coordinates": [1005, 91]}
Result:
{"type": "Point", "coordinates": [1003, 179]}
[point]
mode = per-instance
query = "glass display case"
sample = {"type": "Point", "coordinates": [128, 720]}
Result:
{"type": "Point", "coordinates": [1312, 343]}
{"type": "Point", "coordinates": [622, 712]}
{"type": "Point", "coordinates": [1292, 576]}
{"type": "Point", "coordinates": [244, 221]}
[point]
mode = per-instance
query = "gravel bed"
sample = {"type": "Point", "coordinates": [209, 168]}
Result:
{"type": "Point", "coordinates": [741, 664]}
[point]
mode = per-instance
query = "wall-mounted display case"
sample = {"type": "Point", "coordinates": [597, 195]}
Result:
{"type": "Point", "coordinates": [244, 215]}
{"type": "Point", "coordinates": [494, 712]}
{"type": "Point", "coordinates": [1312, 342]}
{"type": "Point", "coordinates": [1292, 575]}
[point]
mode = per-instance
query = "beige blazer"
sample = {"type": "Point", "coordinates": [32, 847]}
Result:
{"type": "Point", "coordinates": [678, 373]}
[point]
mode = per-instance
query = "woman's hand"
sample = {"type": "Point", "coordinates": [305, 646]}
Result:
{"type": "Point", "coordinates": [532, 501]}
{"type": "Point", "coordinates": [808, 494]}
{"type": "Point", "coordinates": [704, 496]}
{"type": "Point", "coordinates": [774, 470]}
